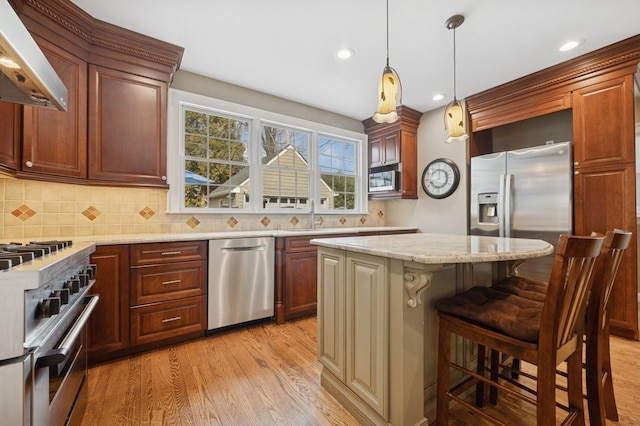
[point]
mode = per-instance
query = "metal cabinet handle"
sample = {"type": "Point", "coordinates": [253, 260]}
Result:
{"type": "Point", "coordinates": [62, 352]}
{"type": "Point", "coordinates": [28, 163]}
{"type": "Point", "coordinates": [169, 253]}
{"type": "Point", "coordinates": [171, 319]}
{"type": "Point", "coordinates": [171, 282]}
{"type": "Point", "coordinates": [164, 178]}
{"type": "Point", "coordinates": [245, 248]}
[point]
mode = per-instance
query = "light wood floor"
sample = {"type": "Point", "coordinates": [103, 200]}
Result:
{"type": "Point", "coordinates": [267, 375]}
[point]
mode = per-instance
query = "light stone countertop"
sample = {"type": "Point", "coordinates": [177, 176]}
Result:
{"type": "Point", "coordinates": [441, 248]}
{"type": "Point", "coordinates": [159, 238]}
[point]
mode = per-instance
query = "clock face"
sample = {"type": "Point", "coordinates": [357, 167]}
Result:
{"type": "Point", "coordinates": [440, 178]}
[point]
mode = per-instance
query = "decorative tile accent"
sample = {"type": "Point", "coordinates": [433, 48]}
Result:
{"type": "Point", "coordinates": [232, 222]}
{"type": "Point", "coordinates": [265, 221]}
{"type": "Point", "coordinates": [23, 213]}
{"type": "Point", "coordinates": [343, 220]}
{"type": "Point", "coordinates": [294, 221]}
{"type": "Point", "coordinates": [319, 220]}
{"type": "Point", "coordinates": [380, 214]}
{"type": "Point", "coordinates": [363, 219]}
{"type": "Point", "coordinates": [91, 213]}
{"type": "Point", "coordinates": [193, 222]}
{"type": "Point", "coordinates": [147, 213]}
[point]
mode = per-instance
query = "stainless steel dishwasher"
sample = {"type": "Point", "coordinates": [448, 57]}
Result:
{"type": "Point", "coordinates": [240, 281]}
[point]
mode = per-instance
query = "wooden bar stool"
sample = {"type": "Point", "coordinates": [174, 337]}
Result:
{"type": "Point", "coordinates": [600, 394]}
{"type": "Point", "coordinates": [543, 334]}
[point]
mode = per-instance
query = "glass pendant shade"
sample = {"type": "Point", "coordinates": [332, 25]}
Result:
{"type": "Point", "coordinates": [454, 114]}
{"type": "Point", "coordinates": [454, 122]}
{"type": "Point", "coordinates": [388, 89]}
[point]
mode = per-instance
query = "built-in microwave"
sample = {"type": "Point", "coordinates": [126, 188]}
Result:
{"type": "Point", "coordinates": [383, 181]}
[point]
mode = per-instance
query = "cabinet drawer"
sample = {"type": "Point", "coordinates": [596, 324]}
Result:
{"type": "Point", "coordinates": [159, 283]}
{"type": "Point", "coordinates": [151, 253]}
{"type": "Point", "coordinates": [167, 320]}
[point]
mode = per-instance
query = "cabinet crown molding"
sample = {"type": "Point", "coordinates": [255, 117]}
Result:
{"type": "Point", "coordinates": [623, 55]}
{"type": "Point", "coordinates": [65, 18]}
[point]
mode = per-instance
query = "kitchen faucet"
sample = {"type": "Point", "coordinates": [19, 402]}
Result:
{"type": "Point", "coordinates": [312, 210]}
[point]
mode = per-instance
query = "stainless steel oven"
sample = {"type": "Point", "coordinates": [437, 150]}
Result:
{"type": "Point", "coordinates": [44, 308]}
{"type": "Point", "coordinates": [60, 373]}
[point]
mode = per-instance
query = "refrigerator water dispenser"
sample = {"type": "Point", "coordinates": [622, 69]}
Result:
{"type": "Point", "coordinates": [488, 207]}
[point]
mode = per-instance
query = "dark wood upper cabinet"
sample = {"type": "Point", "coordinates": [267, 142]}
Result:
{"type": "Point", "coordinates": [603, 123]}
{"type": "Point", "coordinates": [384, 150]}
{"type": "Point", "coordinates": [9, 136]}
{"type": "Point", "coordinates": [394, 146]}
{"type": "Point", "coordinates": [114, 132]}
{"type": "Point", "coordinates": [127, 137]}
{"type": "Point", "coordinates": [55, 142]}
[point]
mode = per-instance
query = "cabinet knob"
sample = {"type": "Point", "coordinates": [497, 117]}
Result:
{"type": "Point", "coordinates": [576, 172]}
{"type": "Point", "coordinates": [164, 178]}
{"type": "Point", "coordinates": [577, 163]}
{"type": "Point", "coordinates": [28, 163]}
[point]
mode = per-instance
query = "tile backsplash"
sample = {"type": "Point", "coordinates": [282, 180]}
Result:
{"type": "Point", "coordinates": [33, 209]}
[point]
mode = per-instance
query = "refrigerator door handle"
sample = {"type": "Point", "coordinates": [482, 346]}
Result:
{"type": "Point", "coordinates": [508, 199]}
{"type": "Point", "coordinates": [501, 209]}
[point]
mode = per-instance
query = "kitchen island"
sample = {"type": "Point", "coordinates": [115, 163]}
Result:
{"type": "Point", "coordinates": [377, 329]}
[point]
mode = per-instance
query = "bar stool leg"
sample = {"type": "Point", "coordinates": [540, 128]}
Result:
{"type": "Point", "coordinates": [600, 397]}
{"type": "Point", "coordinates": [480, 366]}
{"type": "Point", "coordinates": [444, 379]}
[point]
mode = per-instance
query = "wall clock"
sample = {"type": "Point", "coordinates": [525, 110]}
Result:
{"type": "Point", "coordinates": [440, 178]}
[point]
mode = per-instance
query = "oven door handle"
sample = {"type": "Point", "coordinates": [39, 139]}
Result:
{"type": "Point", "coordinates": [61, 353]}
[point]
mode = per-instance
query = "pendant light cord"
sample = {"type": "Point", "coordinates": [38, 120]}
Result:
{"type": "Point", "coordinates": [387, 33]}
{"type": "Point", "coordinates": [454, 63]}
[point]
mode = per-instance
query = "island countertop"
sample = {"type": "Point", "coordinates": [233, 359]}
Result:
{"type": "Point", "coordinates": [430, 248]}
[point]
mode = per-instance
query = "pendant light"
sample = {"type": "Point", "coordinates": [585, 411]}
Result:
{"type": "Point", "coordinates": [388, 89]}
{"type": "Point", "coordinates": [454, 114]}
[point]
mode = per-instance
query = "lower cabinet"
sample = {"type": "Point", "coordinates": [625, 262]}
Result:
{"type": "Point", "coordinates": [612, 186]}
{"type": "Point", "coordinates": [296, 274]}
{"type": "Point", "coordinates": [353, 331]}
{"type": "Point", "coordinates": [168, 292]}
{"type": "Point", "coordinates": [378, 332]}
{"type": "Point", "coordinates": [108, 327]}
{"type": "Point", "coordinates": [150, 295]}
{"type": "Point", "coordinates": [168, 321]}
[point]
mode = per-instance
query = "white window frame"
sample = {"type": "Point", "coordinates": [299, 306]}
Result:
{"type": "Point", "coordinates": [179, 99]}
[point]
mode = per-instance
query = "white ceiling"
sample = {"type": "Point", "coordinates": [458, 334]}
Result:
{"type": "Point", "coordinates": [286, 47]}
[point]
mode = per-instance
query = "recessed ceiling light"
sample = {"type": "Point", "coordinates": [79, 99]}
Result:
{"type": "Point", "coordinates": [438, 96]}
{"type": "Point", "coordinates": [344, 53]}
{"type": "Point", "coordinates": [570, 45]}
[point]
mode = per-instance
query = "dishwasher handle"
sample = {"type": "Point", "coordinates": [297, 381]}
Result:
{"type": "Point", "coordinates": [260, 247]}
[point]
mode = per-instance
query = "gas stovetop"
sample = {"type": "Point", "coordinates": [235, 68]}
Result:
{"type": "Point", "coordinates": [42, 281]}
{"type": "Point", "coordinates": [13, 254]}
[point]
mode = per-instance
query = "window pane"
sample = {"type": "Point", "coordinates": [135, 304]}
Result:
{"type": "Point", "coordinates": [217, 157]}
{"type": "Point", "coordinates": [286, 174]}
{"type": "Point", "coordinates": [195, 122]}
{"type": "Point", "coordinates": [231, 187]}
{"type": "Point", "coordinates": [219, 180]}
{"type": "Point", "coordinates": [337, 164]}
{"type": "Point", "coordinates": [195, 146]}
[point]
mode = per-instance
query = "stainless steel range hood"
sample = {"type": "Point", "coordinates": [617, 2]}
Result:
{"type": "Point", "coordinates": [26, 77]}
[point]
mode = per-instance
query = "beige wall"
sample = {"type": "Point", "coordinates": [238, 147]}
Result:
{"type": "Point", "coordinates": [195, 83]}
{"type": "Point", "coordinates": [448, 215]}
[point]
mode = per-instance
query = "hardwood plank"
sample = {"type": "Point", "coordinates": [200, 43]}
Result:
{"type": "Point", "coordinates": [268, 374]}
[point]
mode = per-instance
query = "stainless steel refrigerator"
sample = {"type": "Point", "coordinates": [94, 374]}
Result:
{"type": "Point", "coordinates": [524, 193]}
